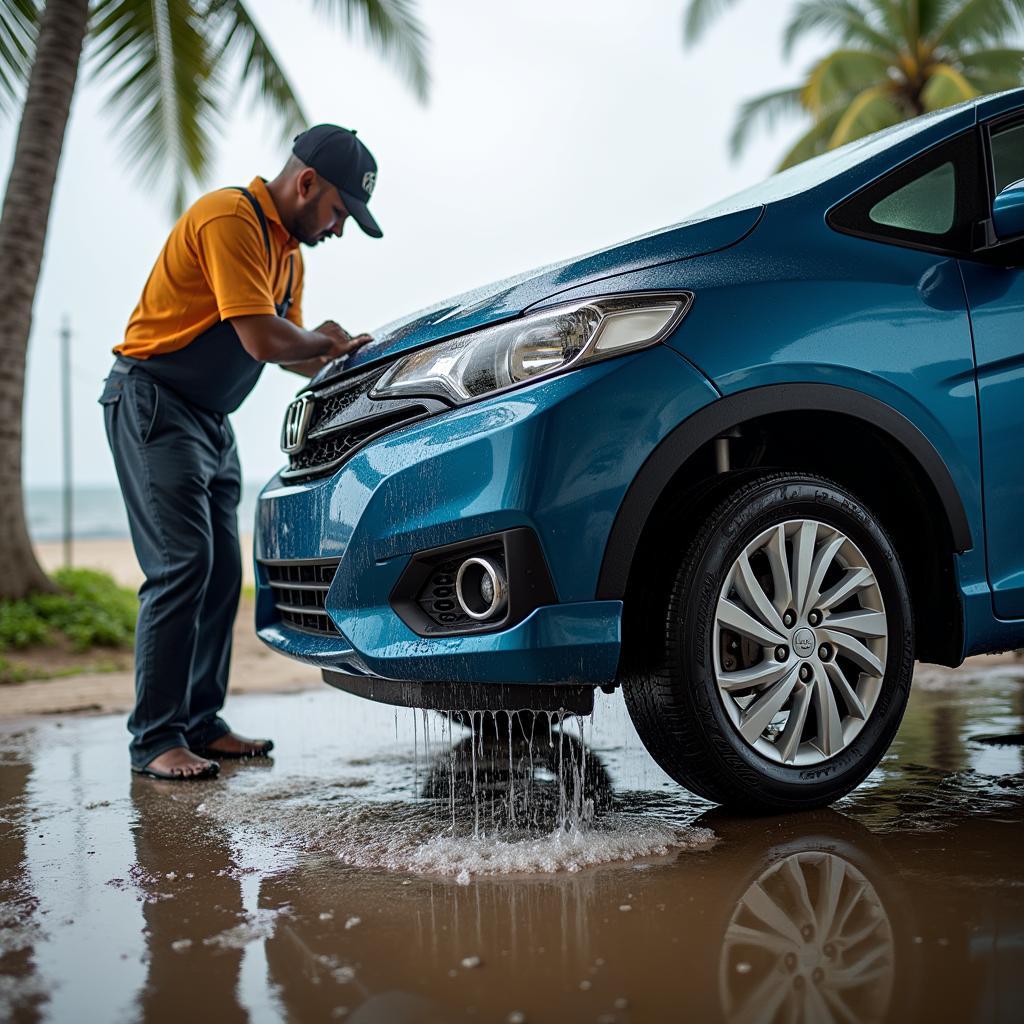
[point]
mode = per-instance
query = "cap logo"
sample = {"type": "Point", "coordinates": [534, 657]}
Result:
{"type": "Point", "coordinates": [369, 180]}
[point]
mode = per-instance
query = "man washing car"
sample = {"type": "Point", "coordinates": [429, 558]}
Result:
{"type": "Point", "coordinates": [223, 299]}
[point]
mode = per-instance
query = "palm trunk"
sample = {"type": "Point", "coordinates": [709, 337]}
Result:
{"type": "Point", "coordinates": [26, 212]}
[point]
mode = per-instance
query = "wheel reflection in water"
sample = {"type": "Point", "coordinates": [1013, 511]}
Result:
{"type": "Point", "coordinates": [809, 941]}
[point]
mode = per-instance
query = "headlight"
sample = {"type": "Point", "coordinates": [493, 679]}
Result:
{"type": "Point", "coordinates": [498, 358]}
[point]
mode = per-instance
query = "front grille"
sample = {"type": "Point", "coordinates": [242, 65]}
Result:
{"type": "Point", "coordinates": [344, 418]}
{"type": "Point", "coordinates": [328, 452]}
{"type": "Point", "coordinates": [332, 403]}
{"type": "Point", "coordinates": [300, 590]}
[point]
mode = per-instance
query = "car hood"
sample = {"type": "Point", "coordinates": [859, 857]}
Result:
{"type": "Point", "coordinates": [504, 299]}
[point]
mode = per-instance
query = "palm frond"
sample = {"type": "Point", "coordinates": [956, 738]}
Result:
{"type": "Point", "coordinates": [842, 75]}
{"type": "Point", "coordinates": [845, 18]}
{"type": "Point", "coordinates": [699, 16]}
{"type": "Point", "coordinates": [870, 111]}
{"type": "Point", "coordinates": [392, 26]}
{"type": "Point", "coordinates": [993, 70]}
{"type": "Point", "coordinates": [946, 86]}
{"type": "Point", "coordinates": [164, 90]}
{"type": "Point", "coordinates": [886, 50]}
{"type": "Point", "coordinates": [765, 110]}
{"type": "Point", "coordinates": [977, 22]}
{"type": "Point", "coordinates": [242, 39]}
{"type": "Point", "coordinates": [898, 19]}
{"type": "Point", "coordinates": [18, 20]}
{"type": "Point", "coordinates": [812, 143]}
{"type": "Point", "coordinates": [932, 15]}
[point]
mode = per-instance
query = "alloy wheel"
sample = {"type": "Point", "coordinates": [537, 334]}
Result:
{"type": "Point", "coordinates": [800, 641]}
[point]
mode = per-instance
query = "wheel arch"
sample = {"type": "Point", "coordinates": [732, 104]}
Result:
{"type": "Point", "coordinates": [679, 478]}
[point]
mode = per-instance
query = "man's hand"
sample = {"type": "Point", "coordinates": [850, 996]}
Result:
{"type": "Point", "coordinates": [343, 342]}
{"type": "Point", "coordinates": [311, 367]}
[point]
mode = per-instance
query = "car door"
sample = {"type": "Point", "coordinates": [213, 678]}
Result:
{"type": "Point", "coordinates": [995, 297]}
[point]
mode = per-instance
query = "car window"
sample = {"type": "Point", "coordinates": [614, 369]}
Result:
{"type": "Point", "coordinates": [926, 205]}
{"type": "Point", "coordinates": [1008, 156]}
{"type": "Point", "coordinates": [931, 202]}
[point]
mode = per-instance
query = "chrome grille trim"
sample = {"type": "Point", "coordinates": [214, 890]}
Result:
{"type": "Point", "coordinates": [342, 418]}
{"type": "Point", "coordinates": [329, 450]}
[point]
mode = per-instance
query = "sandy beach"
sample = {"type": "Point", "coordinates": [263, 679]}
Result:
{"type": "Point", "coordinates": [117, 557]}
{"type": "Point", "coordinates": [254, 667]}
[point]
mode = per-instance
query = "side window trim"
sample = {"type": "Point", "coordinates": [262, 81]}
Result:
{"type": "Point", "coordinates": [990, 128]}
{"type": "Point", "coordinates": [988, 248]}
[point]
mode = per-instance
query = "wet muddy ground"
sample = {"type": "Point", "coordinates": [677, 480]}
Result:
{"type": "Point", "coordinates": [395, 867]}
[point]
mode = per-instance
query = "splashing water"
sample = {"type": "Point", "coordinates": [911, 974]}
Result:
{"type": "Point", "coordinates": [405, 837]}
{"type": "Point", "coordinates": [501, 793]}
{"type": "Point", "coordinates": [516, 771]}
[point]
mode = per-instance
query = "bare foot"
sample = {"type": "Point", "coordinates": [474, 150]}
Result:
{"type": "Point", "coordinates": [233, 745]}
{"type": "Point", "coordinates": [181, 763]}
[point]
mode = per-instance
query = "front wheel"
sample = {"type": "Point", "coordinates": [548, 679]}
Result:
{"type": "Point", "coordinates": [787, 649]}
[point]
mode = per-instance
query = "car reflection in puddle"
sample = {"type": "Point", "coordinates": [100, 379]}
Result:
{"type": "Point", "coordinates": [810, 939]}
{"type": "Point", "coordinates": [443, 876]}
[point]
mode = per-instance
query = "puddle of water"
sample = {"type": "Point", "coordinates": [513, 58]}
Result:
{"type": "Point", "coordinates": [514, 795]}
{"type": "Point", "coordinates": [393, 867]}
{"type": "Point", "coordinates": [414, 838]}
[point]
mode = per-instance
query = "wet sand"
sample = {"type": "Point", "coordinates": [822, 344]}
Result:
{"type": "Point", "coordinates": [370, 874]}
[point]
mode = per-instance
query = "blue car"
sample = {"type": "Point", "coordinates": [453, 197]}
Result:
{"type": "Point", "coordinates": [749, 468]}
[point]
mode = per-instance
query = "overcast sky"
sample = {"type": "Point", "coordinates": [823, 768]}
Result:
{"type": "Point", "coordinates": [554, 127]}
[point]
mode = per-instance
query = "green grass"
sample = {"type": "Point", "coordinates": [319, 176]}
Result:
{"type": "Point", "coordinates": [15, 673]}
{"type": "Point", "coordinates": [89, 610]}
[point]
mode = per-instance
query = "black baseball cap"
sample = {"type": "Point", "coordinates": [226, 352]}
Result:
{"type": "Point", "coordinates": [342, 159]}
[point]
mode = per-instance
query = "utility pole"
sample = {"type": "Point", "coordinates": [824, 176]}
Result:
{"type": "Point", "coordinates": [65, 367]}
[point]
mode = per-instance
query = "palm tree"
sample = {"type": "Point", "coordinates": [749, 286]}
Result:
{"type": "Point", "coordinates": [896, 59]}
{"type": "Point", "coordinates": [172, 69]}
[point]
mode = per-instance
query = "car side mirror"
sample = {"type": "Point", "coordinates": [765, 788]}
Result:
{"type": "Point", "coordinates": [1008, 211]}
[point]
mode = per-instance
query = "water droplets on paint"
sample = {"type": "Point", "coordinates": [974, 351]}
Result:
{"type": "Point", "coordinates": [492, 793]}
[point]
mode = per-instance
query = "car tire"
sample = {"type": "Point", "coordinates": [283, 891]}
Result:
{"type": "Point", "coordinates": [743, 646]}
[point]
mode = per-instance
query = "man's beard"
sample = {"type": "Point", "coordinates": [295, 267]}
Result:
{"type": "Point", "coordinates": [305, 227]}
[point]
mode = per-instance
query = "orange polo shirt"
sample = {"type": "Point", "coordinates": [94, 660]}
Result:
{"type": "Point", "coordinates": [214, 266]}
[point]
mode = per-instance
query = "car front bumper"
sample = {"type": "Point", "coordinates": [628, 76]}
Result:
{"type": "Point", "coordinates": [555, 457]}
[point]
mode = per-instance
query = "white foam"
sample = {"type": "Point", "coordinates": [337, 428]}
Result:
{"type": "Point", "coordinates": [613, 838]}
{"type": "Point", "coordinates": [256, 926]}
{"type": "Point", "coordinates": [414, 838]}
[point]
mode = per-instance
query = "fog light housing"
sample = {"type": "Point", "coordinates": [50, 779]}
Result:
{"type": "Point", "coordinates": [481, 589]}
{"type": "Point", "coordinates": [479, 585]}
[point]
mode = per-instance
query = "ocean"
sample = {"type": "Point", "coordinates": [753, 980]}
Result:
{"type": "Point", "coordinates": [98, 512]}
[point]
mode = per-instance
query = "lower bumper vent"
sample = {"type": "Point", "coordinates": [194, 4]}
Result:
{"type": "Point", "coordinates": [300, 591]}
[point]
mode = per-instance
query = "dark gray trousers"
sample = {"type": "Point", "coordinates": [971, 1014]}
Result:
{"type": "Point", "coordinates": [177, 465]}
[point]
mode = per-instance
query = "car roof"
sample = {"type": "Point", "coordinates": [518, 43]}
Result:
{"type": "Point", "coordinates": [999, 103]}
